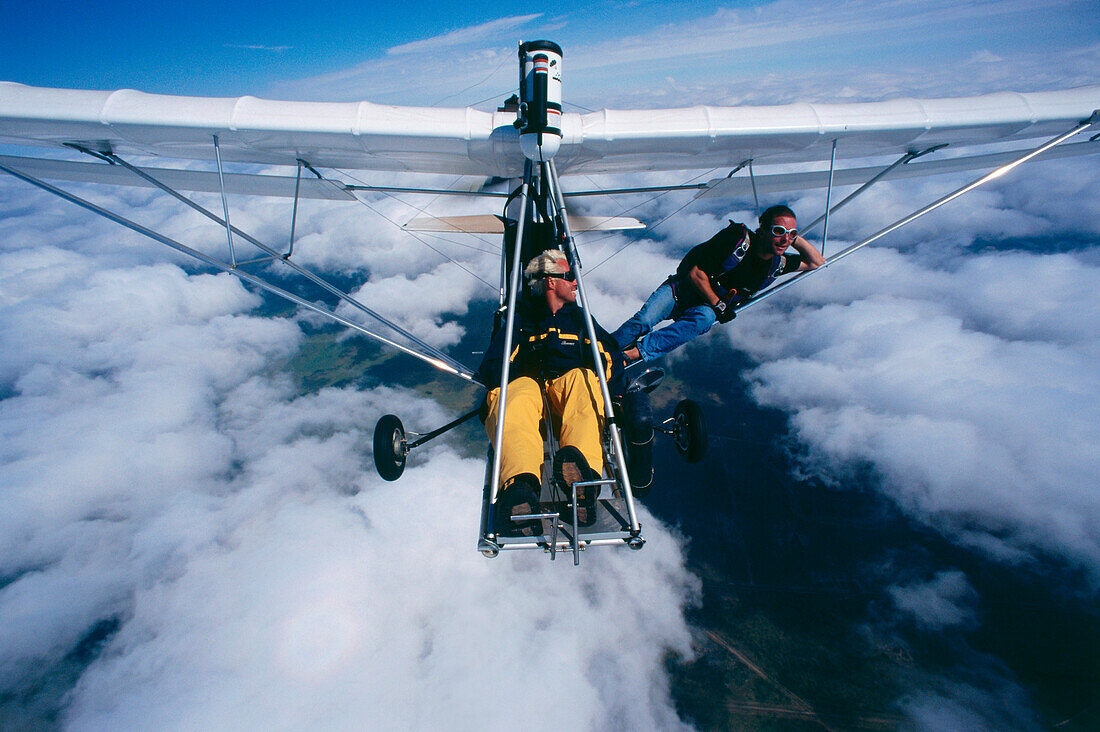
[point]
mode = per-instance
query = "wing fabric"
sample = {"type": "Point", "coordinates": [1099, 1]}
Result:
{"type": "Point", "coordinates": [367, 136]}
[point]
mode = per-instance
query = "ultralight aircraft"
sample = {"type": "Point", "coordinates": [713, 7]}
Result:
{"type": "Point", "coordinates": [540, 151]}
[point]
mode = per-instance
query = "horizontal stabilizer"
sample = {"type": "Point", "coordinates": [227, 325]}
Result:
{"type": "Point", "coordinates": [486, 224]}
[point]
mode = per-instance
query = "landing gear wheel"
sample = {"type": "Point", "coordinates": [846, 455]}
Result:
{"type": "Point", "coordinates": [389, 447]}
{"type": "Point", "coordinates": [689, 431]}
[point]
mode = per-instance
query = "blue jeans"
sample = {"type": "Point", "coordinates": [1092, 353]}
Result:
{"type": "Point", "coordinates": [687, 323]}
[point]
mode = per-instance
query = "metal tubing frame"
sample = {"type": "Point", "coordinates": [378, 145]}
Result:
{"type": "Point", "coordinates": [903, 160]}
{"type": "Point", "coordinates": [613, 428]}
{"type": "Point", "coordinates": [1080, 127]}
{"type": "Point", "coordinates": [828, 198]}
{"type": "Point", "coordinates": [646, 189]}
{"type": "Point", "coordinates": [510, 319]}
{"type": "Point", "coordinates": [440, 430]}
{"type": "Point", "coordinates": [755, 197]}
{"type": "Point", "coordinates": [425, 191]}
{"type": "Point", "coordinates": [225, 203]}
{"type": "Point", "coordinates": [294, 213]}
{"type": "Point", "coordinates": [252, 279]}
{"type": "Point", "coordinates": [275, 256]}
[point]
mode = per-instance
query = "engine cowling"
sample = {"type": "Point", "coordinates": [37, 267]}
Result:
{"type": "Point", "coordinates": [539, 119]}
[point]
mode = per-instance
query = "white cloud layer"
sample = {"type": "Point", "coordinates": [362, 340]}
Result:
{"type": "Point", "coordinates": [161, 479]}
{"type": "Point", "coordinates": [160, 474]}
{"type": "Point", "coordinates": [971, 391]}
{"type": "Point", "coordinates": [945, 601]}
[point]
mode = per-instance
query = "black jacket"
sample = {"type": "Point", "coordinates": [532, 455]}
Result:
{"type": "Point", "coordinates": [546, 345]}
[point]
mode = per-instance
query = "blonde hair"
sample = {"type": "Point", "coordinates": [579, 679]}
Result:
{"type": "Point", "coordinates": [552, 261]}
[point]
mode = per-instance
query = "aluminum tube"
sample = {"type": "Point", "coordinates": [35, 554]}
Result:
{"type": "Point", "coordinates": [647, 189]}
{"type": "Point", "coordinates": [828, 198]}
{"type": "Point", "coordinates": [506, 362]}
{"type": "Point", "coordinates": [294, 213]}
{"type": "Point", "coordinates": [900, 161]}
{"type": "Point", "coordinates": [927, 209]}
{"type": "Point", "coordinates": [755, 197]}
{"type": "Point", "coordinates": [425, 191]}
{"type": "Point", "coordinates": [231, 270]}
{"type": "Point", "coordinates": [620, 458]}
{"type": "Point", "coordinates": [225, 202]}
{"type": "Point", "coordinates": [315, 279]}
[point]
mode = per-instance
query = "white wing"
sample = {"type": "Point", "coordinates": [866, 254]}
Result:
{"type": "Point", "coordinates": [471, 142]}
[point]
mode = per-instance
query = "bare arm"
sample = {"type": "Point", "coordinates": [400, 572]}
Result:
{"type": "Point", "coordinates": [811, 258]}
{"type": "Point", "coordinates": [702, 283]}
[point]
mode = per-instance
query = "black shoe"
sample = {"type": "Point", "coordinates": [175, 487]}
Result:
{"type": "Point", "coordinates": [570, 467]}
{"type": "Point", "coordinates": [519, 499]}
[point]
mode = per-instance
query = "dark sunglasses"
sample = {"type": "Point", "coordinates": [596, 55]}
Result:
{"type": "Point", "coordinates": [567, 276]}
{"type": "Point", "coordinates": [778, 230]}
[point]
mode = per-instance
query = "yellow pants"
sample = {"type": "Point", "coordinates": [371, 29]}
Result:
{"type": "Point", "coordinates": [577, 416]}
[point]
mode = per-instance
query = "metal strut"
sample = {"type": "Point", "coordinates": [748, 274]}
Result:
{"type": "Point", "coordinates": [114, 159]}
{"type": "Point", "coordinates": [225, 203]}
{"type": "Point", "coordinates": [755, 197]}
{"type": "Point", "coordinates": [510, 319]}
{"type": "Point", "coordinates": [927, 209]}
{"type": "Point", "coordinates": [828, 197]}
{"type": "Point", "coordinates": [294, 213]}
{"type": "Point", "coordinates": [461, 371]}
{"type": "Point", "coordinates": [613, 428]}
{"type": "Point", "coordinates": [903, 160]}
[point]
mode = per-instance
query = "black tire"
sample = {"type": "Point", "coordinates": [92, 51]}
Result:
{"type": "Point", "coordinates": [389, 447]}
{"type": "Point", "coordinates": [690, 431]}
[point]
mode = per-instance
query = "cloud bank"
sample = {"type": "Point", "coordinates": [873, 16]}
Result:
{"type": "Point", "coordinates": [187, 539]}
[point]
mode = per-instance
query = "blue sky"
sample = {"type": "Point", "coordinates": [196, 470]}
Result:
{"type": "Point", "coordinates": [232, 48]}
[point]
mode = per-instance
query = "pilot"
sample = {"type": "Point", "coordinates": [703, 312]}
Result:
{"type": "Point", "coordinates": [551, 356]}
{"type": "Point", "coordinates": [713, 279]}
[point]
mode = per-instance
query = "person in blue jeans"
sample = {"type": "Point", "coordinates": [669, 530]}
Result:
{"type": "Point", "coordinates": [712, 279]}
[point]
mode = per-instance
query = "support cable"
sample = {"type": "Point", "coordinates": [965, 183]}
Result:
{"type": "Point", "coordinates": [927, 209]}
{"type": "Point", "coordinates": [315, 279]}
{"type": "Point", "coordinates": [460, 371]}
{"type": "Point", "coordinates": [903, 160]}
{"type": "Point", "coordinates": [343, 187]}
{"type": "Point", "coordinates": [659, 222]}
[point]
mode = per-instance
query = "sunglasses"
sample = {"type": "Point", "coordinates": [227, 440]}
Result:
{"type": "Point", "coordinates": [778, 230]}
{"type": "Point", "coordinates": [567, 276]}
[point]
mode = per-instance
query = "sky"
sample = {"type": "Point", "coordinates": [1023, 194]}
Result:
{"type": "Point", "coordinates": [189, 538]}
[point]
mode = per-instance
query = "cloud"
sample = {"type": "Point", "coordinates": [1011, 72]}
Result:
{"type": "Point", "coordinates": [783, 52]}
{"type": "Point", "coordinates": [967, 385]}
{"type": "Point", "coordinates": [257, 47]}
{"type": "Point", "coordinates": [489, 31]}
{"type": "Point", "coordinates": [189, 539]}
{"type": "Point", "coordinates": [945, 601]}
